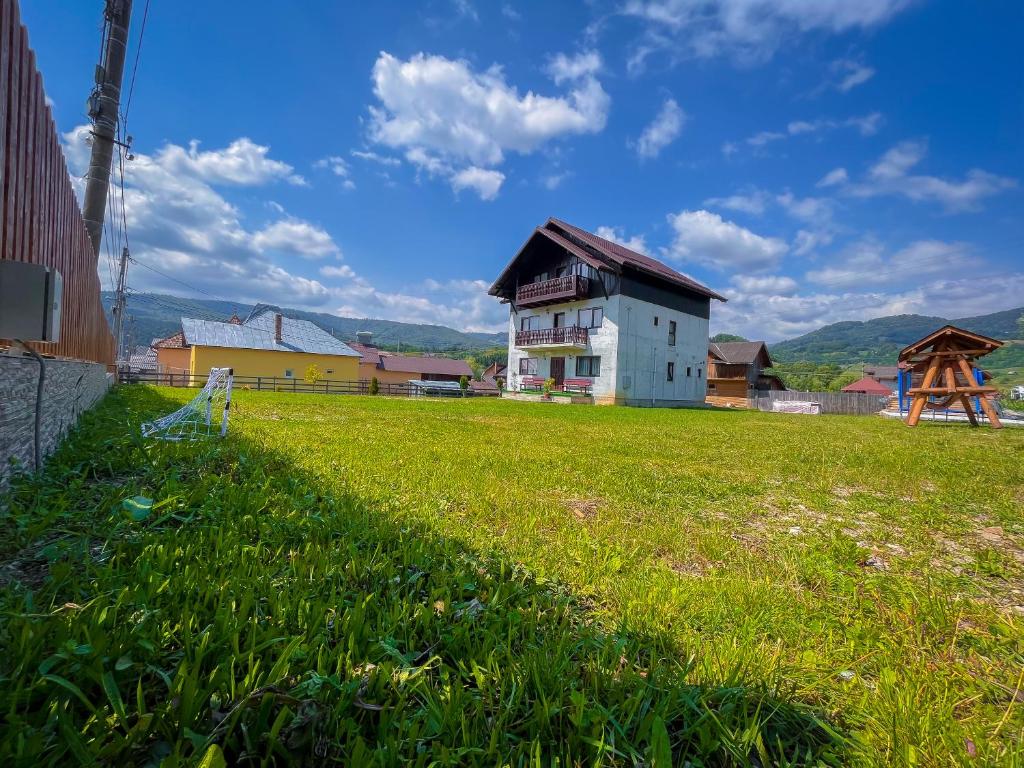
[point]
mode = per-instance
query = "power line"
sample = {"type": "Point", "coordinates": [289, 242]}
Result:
{"type": "Point", "coordinates": [182, 282]}
{"type": "Point", "coordinates": [135, 66]}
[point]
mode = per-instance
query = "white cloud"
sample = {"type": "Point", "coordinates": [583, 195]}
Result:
{"type": "Point", "coordinates": [339, 167]}
{"type": "Point", "coordinates": [485, 182]}
{"type": "Point", "coordinates": [748, 30]}
{"type": "Point", "coordinates": [343, 270]}
{"type": "Point", "coordinates": [865, 264]}
{"type": "Point", "coordinates": [562, 68]}
{"type": "Point", "coordinates": [616, 235]}
{"type": "Point", "coordinates": [376, 158]}
{"type": "Point", "coordinates": [553, 181]}
{"type": "Point", "coordinates": [242, 163]}
{"type": "Point", "coordinates": [834, 177]}
{"type": "Point", "coordinates": [662, 131]}
{"type": "Point", "coordinates": [769, 284]}
{"type": "Point", "coordinates": [806, 241]}
{"type": "Point", "coordinates": [817, 210]}
{"type": "Point", "coordinates": [448, 118]}
{"type": "Point", "coordinates": [753, 202]}
{"type": "Point", "coordinates": [891, 176]}
{"type": "Point", "coordinates": [295, 236]}
{"type": "Point", "coordinates": [774, 316]}
{"type": "Point", "coordinates": [702, 237]}
{"type": "Point", "coordinates": [865, 125]}
{"type": "Point", "coordinates": [851, 74]}
{"type": "Point", "coordinates": [443, 106]}
{"type": "Point", "coordinates": [180, 224]}
{"type": "Point", "coordinates": [462, 304]}
{"type": "Point", "coordinates": [465, 9]}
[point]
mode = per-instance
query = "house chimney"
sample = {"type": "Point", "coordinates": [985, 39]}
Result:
{"type": "Point", "coordinates": [277, 327]}
{"type": "Point", "coordinates": [365, 338]}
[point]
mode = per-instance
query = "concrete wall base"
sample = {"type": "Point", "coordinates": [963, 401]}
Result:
{"type": "Point", "coordinates": [71, 387]}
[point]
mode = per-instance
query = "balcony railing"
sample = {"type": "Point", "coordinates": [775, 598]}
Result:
{"type": "Point", "coordinates": [567, 336]}
{"type": "Point", "coordinates": [563, 288]}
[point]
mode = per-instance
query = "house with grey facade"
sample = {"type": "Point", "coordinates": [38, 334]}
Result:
{"type": "Point", "coordinates": [597, 317]}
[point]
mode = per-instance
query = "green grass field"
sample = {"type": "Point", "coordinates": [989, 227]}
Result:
{"type": "Point", "coordinates": [357, 580]}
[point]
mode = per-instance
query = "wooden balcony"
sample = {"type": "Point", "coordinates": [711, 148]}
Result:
{"type": "Point", "coordinates": [566, 336]}
{"type": "Point", "coordinates": [553, 291]}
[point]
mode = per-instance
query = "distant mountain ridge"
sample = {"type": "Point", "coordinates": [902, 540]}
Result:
{"type": "Point", "coordinates": [881, 339]}
{"type": "Point", "coordinates": [154, 315]}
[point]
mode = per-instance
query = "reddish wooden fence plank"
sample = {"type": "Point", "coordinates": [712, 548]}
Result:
{"type": "Point", "coordinates": [40, 221]}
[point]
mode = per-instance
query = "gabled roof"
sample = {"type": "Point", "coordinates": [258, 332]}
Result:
{"type": "Point", "coordinates": [740, 352]}
{"type": "Point", "coordinates": [622, 256]}
{"type": "Point", "coordinates": [369, 353]}
{"type": "Point", "coordinates": [603, 254]}
{"type": "Point", "coordinates": [174, 341]}
{"type": "Point", "coordinates": [957, 338]}
{"type": "Point", "coordinates": [868, 386]}
{"type": "Point", "coordinates": [142, 359]}
{"type": "Point", "coordinates": [257, 332]}
{"type": "Point", "coordinates": [428, 365]}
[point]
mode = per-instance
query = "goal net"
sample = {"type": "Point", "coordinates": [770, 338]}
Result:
{"type": "Point", "coordinates": [197, 418]}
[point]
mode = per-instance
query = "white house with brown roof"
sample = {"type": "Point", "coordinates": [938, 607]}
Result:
{"type": "Point", "coordinates": [595, 316]}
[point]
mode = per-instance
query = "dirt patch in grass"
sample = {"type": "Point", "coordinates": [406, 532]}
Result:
{"type": "Point", "coordinates": [583, 509]}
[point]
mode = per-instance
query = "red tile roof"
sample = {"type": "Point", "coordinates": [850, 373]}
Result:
{"type": "Point", "coordinates": [868, 386]}
{"type": "Point", "coordinates": [174, 341]}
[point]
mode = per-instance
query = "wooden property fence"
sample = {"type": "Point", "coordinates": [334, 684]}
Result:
{"type": "Point", "coordinates": [831, 402]}
{"type": "Point", "coordinates": [40, 221]}
{"type": "Point", "coordinates": [281, 384]}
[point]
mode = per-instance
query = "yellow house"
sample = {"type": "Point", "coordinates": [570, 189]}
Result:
{"type": "Point", "coordinates": [268, 345]}
{"type": "Point", "coordinates": [173, 357]}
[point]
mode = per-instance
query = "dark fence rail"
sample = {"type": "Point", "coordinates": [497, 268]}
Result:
{"type": "Point", "coordinates": [40, 221]}
{"type": "Point", "coordinates": [281, 384]}
{"type": "Point", "coordinates": [853, 403]}
{"type": "Point", "coordinates": [565, 287]}
{"type": "Point", "coordinates": [570, 334]}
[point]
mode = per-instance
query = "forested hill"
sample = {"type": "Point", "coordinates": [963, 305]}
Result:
{"type": "Point", "coordinates": [880, 340]}
{"type": "Point", "coordinates": [153, 315]}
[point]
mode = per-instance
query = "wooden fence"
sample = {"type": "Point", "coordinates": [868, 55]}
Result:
{"type": "Point", "coordinates": [40, 221]}
{"type": "Point", "coordinates": [281, 384]}
{"type": "Point", "coordinates": [831, 402]}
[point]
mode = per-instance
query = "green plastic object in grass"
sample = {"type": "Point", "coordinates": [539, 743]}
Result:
{"type": "Point", "coordinates": [137, 507]}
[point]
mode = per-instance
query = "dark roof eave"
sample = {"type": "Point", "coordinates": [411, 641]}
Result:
{"type": "Point", "coordinates": [495, 289]}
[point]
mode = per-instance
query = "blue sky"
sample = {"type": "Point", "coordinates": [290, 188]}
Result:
{"type": "Point", "coordinates": [814, 161]}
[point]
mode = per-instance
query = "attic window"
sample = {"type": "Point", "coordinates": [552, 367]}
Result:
{"type": "Point", "coordinates": [655, 319]}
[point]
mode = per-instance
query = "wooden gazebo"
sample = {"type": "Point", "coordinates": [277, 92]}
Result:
{"type": "Point", "coordinates": [946, 360]}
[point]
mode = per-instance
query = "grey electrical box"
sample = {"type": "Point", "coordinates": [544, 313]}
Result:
{"type": "Point", "coordinates": [30, 296]}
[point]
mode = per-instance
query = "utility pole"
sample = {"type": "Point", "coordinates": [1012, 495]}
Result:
{"type": "Point", "coordinates": [119, 302]}
{"type": "Point", "coordinates": [103, 110]}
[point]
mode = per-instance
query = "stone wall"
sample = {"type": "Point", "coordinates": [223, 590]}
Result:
{"type": "Point", "coordinates": [71, 387]}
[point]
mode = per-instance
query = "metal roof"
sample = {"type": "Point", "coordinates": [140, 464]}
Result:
{"type": "Point", "coordinates": [741, 352]}
{"type": "Point", "coordinates": [258, 333]}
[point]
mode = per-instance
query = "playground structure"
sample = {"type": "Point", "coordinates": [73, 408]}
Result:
{"type": "Point", "coordinates": [945, 361]}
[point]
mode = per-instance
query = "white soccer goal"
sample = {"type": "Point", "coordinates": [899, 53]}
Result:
{"type": "Point", "coordinates": [196, 419]}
